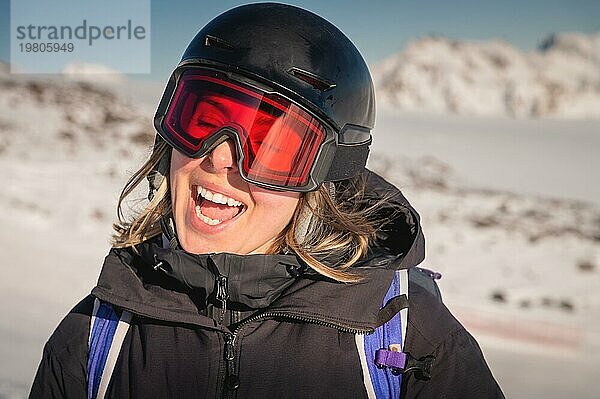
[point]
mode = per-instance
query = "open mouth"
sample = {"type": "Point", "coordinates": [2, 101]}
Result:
{"type": "Point", "coordinates": [215, 208]}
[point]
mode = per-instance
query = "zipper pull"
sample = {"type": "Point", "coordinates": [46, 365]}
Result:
{"type": "Point", "coordinates": [229, 348]}
{"type": "Point", "coordinates": [222, 295]}
{"type": "Point", "coordinates": [232, 381]}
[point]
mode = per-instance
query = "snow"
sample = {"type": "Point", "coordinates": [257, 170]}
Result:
{"type": "Point", "coordinates": [439, 75]}
{"type": "Point", "coordinates": [534, 156]}
{"type": "Point", "coordinates": [92, 72]}
{"type": "Point", "coordinates": [510, 211]}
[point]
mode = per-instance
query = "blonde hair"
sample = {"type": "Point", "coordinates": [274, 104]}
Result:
{"type": "Point", "coordinates": [329, 234]}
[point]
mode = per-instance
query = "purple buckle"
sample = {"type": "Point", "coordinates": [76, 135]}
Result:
{"type": "Point", "coordinates": [401, 362]}
{"type": "Point", "coordinates": [387, 358]}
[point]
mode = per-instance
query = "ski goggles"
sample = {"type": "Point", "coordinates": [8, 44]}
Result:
{"type": "Point", "coordinates": [279, 144]}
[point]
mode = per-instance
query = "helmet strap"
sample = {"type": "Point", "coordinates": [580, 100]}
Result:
{"type": "Point", "coordinates": [167, 226]}
{"type": "Point", "coordinates": [156, 177]}
{"type": "Point", "coordinates": [305, 220]}
{"type": "Point", "coordinates": [331, 189]}
{"type": "Point", "coordinates": [159, 172]}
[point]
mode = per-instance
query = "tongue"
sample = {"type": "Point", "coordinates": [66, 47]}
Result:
{"type": "Point", "coordinates": [218, 211]}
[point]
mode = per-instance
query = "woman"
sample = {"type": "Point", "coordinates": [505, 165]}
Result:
{"type": "Point", "coordinates": [266, 261]}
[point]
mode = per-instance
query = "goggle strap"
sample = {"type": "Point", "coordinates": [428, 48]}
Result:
{"type": "Point", "coordinates": [348, 161]}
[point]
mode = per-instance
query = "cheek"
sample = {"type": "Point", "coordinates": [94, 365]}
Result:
{"type": "Point", "coordinates": [179, 169]}
{"type": "Point", "coordinates": [179, 175]}
{"type": "Point", "coordinates": [276, 208]}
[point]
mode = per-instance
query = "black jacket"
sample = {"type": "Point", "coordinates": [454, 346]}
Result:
{"type": "Point", "coordinates": [292, 333]}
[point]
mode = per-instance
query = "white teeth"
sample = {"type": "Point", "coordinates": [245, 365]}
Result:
{"type": "Point", "coordinates": [217, 198]}
{"type": "Point", "coordinates": [206, 219]}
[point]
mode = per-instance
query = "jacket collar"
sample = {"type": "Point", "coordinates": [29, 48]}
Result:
{"type": "Point", "coordinates": [180, 288]}
{"type": "Point", "coordinates": [174, 285]}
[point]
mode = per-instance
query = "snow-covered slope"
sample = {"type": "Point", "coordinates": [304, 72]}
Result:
{"type": "Point", "coordinates": [439, 75]}
{"type": "Point", "coordinates": [73, 118]}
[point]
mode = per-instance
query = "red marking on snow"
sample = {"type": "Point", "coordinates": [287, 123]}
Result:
{"type": "Point", "coordinates": [520, 329]}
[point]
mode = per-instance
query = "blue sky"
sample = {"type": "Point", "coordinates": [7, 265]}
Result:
{"type": "Point", "coordinates": [378, 28]}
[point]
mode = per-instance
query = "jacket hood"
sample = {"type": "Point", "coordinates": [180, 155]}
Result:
{"type": "Point", "coordinates": [176, 286]}
{"type": "Point", "coordinates": [400, 233]}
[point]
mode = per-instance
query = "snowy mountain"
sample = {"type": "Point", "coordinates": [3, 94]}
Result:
{"type": "Point", "coordinates": [82, 71]}
{"type": "Point", "coordinates": [72, 117]}
{"type": "Point", "coordinates": [73, 141]}
{"type": "Point", "coordinates": [561, 79]}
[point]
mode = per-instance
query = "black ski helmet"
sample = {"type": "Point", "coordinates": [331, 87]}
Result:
{"type": "Point", "coordinates": [300, 55]}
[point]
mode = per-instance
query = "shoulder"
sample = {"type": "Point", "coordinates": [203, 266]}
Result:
{"type": "Point", "coordinates": [62, 370]}
{"type": "Point", "coordinates": [428, 317]}
{"type": "Point", "coordinates": [74, 325]}
{"type": "Point", "coordinates": [459, 368]}
{"type": "Point", "coordinates": [68, 343]}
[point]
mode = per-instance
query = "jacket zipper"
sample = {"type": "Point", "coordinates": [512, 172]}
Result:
{"type": "Point", "coordinates": [231, 380]}
{"type": "Point", "coordinates": [305, 319]}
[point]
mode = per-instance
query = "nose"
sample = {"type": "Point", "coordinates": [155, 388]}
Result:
{"type": "Point", "coordinates": [222, 157]}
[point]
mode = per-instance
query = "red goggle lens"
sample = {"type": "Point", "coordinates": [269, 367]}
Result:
{"type": "Point", "coordinates": [279, 140]}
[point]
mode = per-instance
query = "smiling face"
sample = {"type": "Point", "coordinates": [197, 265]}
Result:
{"type": "Point", "coordinates": [215, 210]}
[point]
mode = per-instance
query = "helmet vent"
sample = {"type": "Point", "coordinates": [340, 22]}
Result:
{"type": "Point", "coordinates": [312, 79]}
{"type": "Point", "coordinates": [213, 41]}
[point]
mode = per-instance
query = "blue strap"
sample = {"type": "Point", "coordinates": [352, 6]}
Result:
{"type": "Point", "coordinates": [385, 383]}
{"type": "Point", "coordinates": [101, 337]}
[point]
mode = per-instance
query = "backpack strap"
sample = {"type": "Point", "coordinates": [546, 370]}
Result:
{"type": "Point", "coordinates": [384, 382]}
{"type": "Point", "coordinates": [382, 354]}
{"type": "Point", "coordinates": [107, 332]}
